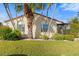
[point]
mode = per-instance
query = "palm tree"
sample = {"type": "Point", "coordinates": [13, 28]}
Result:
{"type": "Point", "coordinates": [28, 12]}
{"type": "Point", "coordinates": [6, 6]}
{"type": "Point", "coordinates": [49, 5]}
{"type": "Point", "coordinates": [52, 16]}
{"type": "Point", "coordinates": [15, 9]}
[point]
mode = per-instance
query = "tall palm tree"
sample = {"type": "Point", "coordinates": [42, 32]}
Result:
{"type": "Point", "coordinates": [54, 11]}
{"type": "Point", "coordinates": [28, 12]}
{"type": "Point", "coordinates": [15, 9]}
{"type": "Point", "coordinates": [6, 6]}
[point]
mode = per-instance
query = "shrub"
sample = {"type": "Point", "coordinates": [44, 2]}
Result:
{"type": "Point", "coordinates": [69, 37]}
{"type": "Point", "coordinates": [44, 37]}
{"type": "Point", "coordinates": [4, 30]}
{"type": "Point", "coordinates": [17, 32]}
{"type": "Point", "coordinates": [14, 35]}
{"type": "Point", "coordinates": [6, 33]}
{"type": "Point", "coordinates": [63, 37]}
{"type": "Point", "coordinates": [74, 27]}
{"type": "Point", "coordinates": [58, 37]}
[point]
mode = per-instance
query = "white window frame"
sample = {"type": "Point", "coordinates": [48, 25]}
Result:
{"type": "Point", "coordinates": [42, 27]}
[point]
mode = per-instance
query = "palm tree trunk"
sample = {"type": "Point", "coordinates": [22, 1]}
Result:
{"type": "Point", "coordinates": [9, 14]}
{"type": "Point", "coordinates": [46, 20]}
{"type": "Point", "coordinates": [15, 10]}
{"type": "Point", "coordinates": [52, 16]}
{"type": "Point", "coordinates": [16, 15]}
{"type": "Point", "coordinates": [29, 15]}
{"type": "Point", "coordinates": [50, 22]}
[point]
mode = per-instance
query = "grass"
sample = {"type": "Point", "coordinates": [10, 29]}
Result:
{"type": "Point", "coordinates": [39, 48]}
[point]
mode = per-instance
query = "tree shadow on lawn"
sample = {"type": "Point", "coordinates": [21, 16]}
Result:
{"type": "Point", "coordinates": [17, 39]}
{"type": "Point", "coordinates": [17, 55]}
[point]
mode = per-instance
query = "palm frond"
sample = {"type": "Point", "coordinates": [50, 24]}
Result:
{"type": "Point", "coordinates": [31, 6]}
{"type": "Point", "coordinates": [18, 7]}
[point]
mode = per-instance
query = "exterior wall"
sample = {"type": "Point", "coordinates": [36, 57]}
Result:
{"type": "Point", "coordinates": [9, 24]}
{"type": "Point", "coordinates": [21, 20]}
{"type": "Point", "coordinates": [37, 22]}
{"type": "Point", "coordinates": [25, 22]}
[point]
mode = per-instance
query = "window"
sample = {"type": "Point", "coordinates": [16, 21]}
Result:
{"type": "Point", "coordinates": [44, 28]}
{"type": "Point", "coordinates": [21, 27]}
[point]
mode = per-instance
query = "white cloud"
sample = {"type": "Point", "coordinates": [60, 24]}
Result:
{"type": "Point", "coordinates": [72, 7]}
{"type": "Point", "coordinates": [63, 5]}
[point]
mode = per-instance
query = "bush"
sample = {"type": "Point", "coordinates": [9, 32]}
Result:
{"type": "Point", "coordinates": [4, 30]}
{"type": "Point", "coordinates": [44, 37]}
{"type": "Point", "coordinates": [58, 37]}
{"type": "Point", "coordinates": [74, 27]}
{"type": "Point", "coordinates": [69, 37]}
{"type": "Point", "coordinates": [63, 37]}
{"type": "Point", "coordinates": [14, 35]}
{"type": "Point", "coordinates": [6, 33]}
{"type": "Point", "coordinates": [17, 32]}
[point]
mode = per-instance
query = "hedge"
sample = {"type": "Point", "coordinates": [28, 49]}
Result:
{"type": "Point", "coordinates": [63, 37]}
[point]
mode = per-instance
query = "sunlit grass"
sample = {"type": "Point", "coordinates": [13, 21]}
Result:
{"type": "Point", "coordinates": [39, 48]}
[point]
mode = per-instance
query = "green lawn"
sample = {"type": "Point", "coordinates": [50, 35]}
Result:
{"type": "Point", "coordinates": [39, 48]}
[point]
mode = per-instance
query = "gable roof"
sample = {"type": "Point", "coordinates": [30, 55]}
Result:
{"type": "Point", "coordinates": [49, 17]}
{"type": "Point", "coordinates": [34, 13]}
{"type": "Point", "coordinates": [14, 18]}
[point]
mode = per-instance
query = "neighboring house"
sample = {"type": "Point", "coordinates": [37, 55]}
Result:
{"type": "Point", "coordinates": [62, 28]}
{"type": "Point", "coordinates": [41, 25]}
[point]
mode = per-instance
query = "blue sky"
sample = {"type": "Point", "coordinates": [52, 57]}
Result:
{"type": "Point", "coordinates": [64, 11]}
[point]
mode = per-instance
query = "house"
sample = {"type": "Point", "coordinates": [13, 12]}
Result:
{"type": "Point", "coordinates": [63, 27]}
{"type": "Point", "coordinates": [41, 25]}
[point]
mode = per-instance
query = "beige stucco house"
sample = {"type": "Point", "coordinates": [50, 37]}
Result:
{"type": "Point", "coordinates": [41, 25]}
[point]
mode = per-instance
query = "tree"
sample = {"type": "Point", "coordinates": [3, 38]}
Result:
{"type": "Point", "coordinates": [8, 13]}
{"type": "Point", "coordinates": [28, 12]}
{"type": "Point", "coordinates": [74, 27]}
{"type": "Point", "coordinates": [52, 16]}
